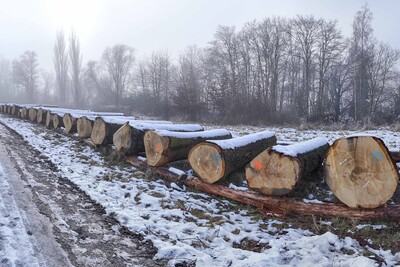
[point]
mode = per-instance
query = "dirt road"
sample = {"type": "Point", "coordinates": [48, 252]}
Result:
{"type": "Point", "coordinates": [46, 221]}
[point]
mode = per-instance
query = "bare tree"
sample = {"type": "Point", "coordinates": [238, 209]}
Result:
{"type": "Point", "coordinates": [26, 73]}
{"type": "Point", "coordinates": [75, 57]}
{"type": "Point", "coordinates": [119, 63]}
{"type": "Point", "coordinates": [5, 79]}
{"type": "Point", "coordinates": [61, 66]}
{"type": "Point", "coordinates": [362, 41]}
{"type": "Point", "coordinates": [47, 79]}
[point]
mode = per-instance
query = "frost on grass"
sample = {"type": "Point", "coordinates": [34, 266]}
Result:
{"type": "Point", "coordinates": [186, 226]}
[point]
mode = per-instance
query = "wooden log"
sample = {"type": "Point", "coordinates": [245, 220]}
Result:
{"type": "Point", "coordinates": [163, 146]}
{"type": "Point", "coordinates": [57, 121]}
{"type": "Point", "coordinates": [273, 205]}
{"type": "Point", "coordinates": [277, 170]}
{"type": "Point", "coordinates": [395, 155]}
{"type": "Point", "coordinates": [15, 110]}
{"type": "Point", "coordinates": [104, 128]}
{"type": "Point", "coordinates": [41, 116]}
{"type": "Point", "coordinates": [71, 119]}
{"type": "Point", "coordinates": [84, 126]}
{"type": "Point", "coordinates": [215, 160]}
{"type": "Point", "coordinates": [32, 113]}
{"type": "Point", "coordinates": [129, 139]}
{"type": "Point", "coordinates": [360, 171]}
{"type": "Point", "coordinates": [24, 112]}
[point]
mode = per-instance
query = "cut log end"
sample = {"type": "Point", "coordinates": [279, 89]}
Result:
{"type": "Point", "coordinates": [155, 146]}
{"type": "Point", "coordinates": [273, 173]}
{"type": "Point", "coordinates": [207, 162]}
{"type": "Point", "coordinates": [69, 123]}
{"type": "Point", "coordinates": [99, 132]}
{"type": "Point", "coordinates": [121, 138]}
{"type": "Point", "coordinates": [56, 121]}
{"type": "Point", "coordinates": [48, 119]}
{"type": "Point", "coordinates": [360, 171]}
{"type": "Point", "coordinates": [84, 127]}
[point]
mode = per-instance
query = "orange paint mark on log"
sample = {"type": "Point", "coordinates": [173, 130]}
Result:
{"type": "Point", "coordinates": [158, 148]}
{"type": "Point", "coordinates": [258, 165]}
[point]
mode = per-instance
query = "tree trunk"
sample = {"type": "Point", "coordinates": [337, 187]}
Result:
{"type": "Point", "coordinates": [215, 160]}
{"type": "Point", "coordinates": [24, 113]}
{"type": "Point", "coordinates": [15, 110]}
{"type": "Point", "coordinates": [69, 123]}
{"type": "Point", "coordinates": [166, 146]}
{"type": "Point", "coordinates": [277, 170]}
{"type": "Point", "coordinates": [32, 114]}
{"type": "Point", "coordinates": [105, 127]}
{"type": "Point", "coordinates": [41, 116]}
{"type": "Point", "coordinates": [57, 121]}
{"type": "Point", "coordinates": [129, 139]}
{"type": "Point", "coordinates": [84, 126]}
{"type": "Point", "coordinates": [49, 119]}
{"type": "Point", "coordinates": [360, 171]}
{"type": "Point", "coordinates": [272, 205]}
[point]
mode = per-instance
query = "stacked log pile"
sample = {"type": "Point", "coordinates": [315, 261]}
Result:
{"type": "Point", "coordinates": [359, 170]}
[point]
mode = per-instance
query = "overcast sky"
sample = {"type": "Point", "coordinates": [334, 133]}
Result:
{"type": "Point", "coordinates": [152, 25]}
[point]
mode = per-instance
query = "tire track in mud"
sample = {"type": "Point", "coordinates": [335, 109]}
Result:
{"type": "Point", "coordinates": [80, 226]}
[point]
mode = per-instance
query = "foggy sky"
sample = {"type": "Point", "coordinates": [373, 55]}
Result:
{"type": "Point", "coordinates": [152, 25]}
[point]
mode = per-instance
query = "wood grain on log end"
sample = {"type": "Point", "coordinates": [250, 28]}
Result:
{"type": "Point", "coordinates": [207, 162]}
{"type": "Point", "coordinates": [98, 132]}
{"type": "Point", "coordinates": [32, 114]}
{"type": "Point", "coordinates": [49, 120]}
{"type": "Point", "coordinates": [121, 138]}
{"type": "Point", "coordinates": [84, 127]}
{"type": "Point", "coordinates": [155, 146]}
{"type": "Point", "coordinates": [273, 173]}
{"type": "Point", "coordinates": [360, 171]}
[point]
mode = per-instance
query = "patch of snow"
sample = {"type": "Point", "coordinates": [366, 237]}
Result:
{"type": "Point", "coordinates": [202, 134]}
{"type": "Point", "coordinates": [302, 147]}
{"type": "Point", "coordinates": [243, 140]}
{"type": "Point", "coordinates": [373, 226]}
{"type": "Point", "coordinates": [176, 171]}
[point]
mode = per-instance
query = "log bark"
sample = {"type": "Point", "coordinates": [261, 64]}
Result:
{"type": "Point", "coordinates": [57, 121]}
{"type": "Point", "coordinates": [165, 146]}
{"type": "Point", "coordinates": [278, 170]}
{"type": "Point", "coordinates": [104, 128]}
{"type": "Point", "coordinates": [273, 205]}
{"type": "Point", "coordinates": [70, 123]}
{"type": "Point", "coordinates": [395, 155]}
{"type": "Point", "coordinates": [129, 139]}
{"type": "Point", "coordinates": [41, 116]}
{"type": "Point", "coordinates": [32, 113]}
{"type": "Point", "coordinates": [215, 160]}
{"type": "Point", "coordinates": [84, 126]}
{"type": "Point", "coordinates": [360, 171]}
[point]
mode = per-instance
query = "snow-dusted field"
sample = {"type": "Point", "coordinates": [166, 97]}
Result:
{"type": "Point", "coordinates": [192, 227]}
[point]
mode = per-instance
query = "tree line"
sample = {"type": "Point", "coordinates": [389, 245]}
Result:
{"type": "Point", "coordinates": [270, 71]}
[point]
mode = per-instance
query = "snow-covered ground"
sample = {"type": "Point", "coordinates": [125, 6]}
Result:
{"type": "Point", "coordinates": [192, 227]}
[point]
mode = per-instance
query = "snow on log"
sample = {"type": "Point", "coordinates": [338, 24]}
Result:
{"type": "Point", "coordinates": [129, 139]}
{"type": "Point", "coordinates": [277, 170]}
{"type": "Point", "coordinates": [71, 119]}
{"type": "Point", "coordinates": [105, 127]}
{"type": "Point", "coordinates": [163, 146]}
{"type": "Point", "coordinates": [214, 160]}
{"type": "Point", "coordinates": [360, 171]}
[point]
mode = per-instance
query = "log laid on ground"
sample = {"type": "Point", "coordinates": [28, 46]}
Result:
{"type": "Point", "coordinates": [216, 159]}
{"type": "Point", "coordinates": [70, 119]}
{"type": "Point", "coordinates": [84, 125]}
{"type": "Point", "coordinates": [15, 109]}
{"type": "Point", "coordinates": [41, 115]}
{"type": "Point", "coordinates": [163, 146]}
{"type": "Point", "coordinates": [273, 205]}
{"type": "Point", "coordinates": [277, 170]}
{"type": "Point", "coordinates": [129, 139]}
{"type": "Point", "coordinates": [395, 155]}
{"type": "Point", "coordinates": [360, 171]}
{"type": "Point", "coordinates": [32, 113]}
{"type": "Point", "coordinates": [104, 128]}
